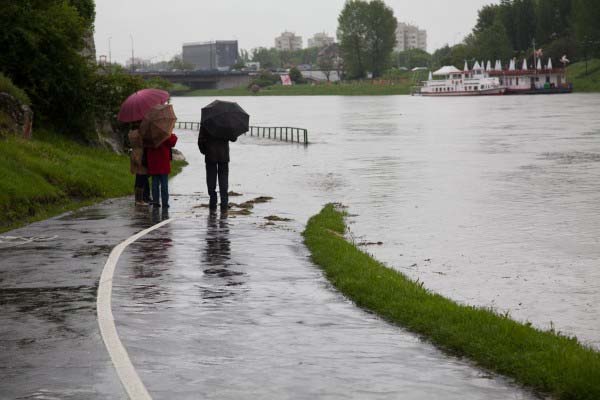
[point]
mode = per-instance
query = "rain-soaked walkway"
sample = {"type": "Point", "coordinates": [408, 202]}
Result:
{"type": "Point", "coordinates": [207, 306]}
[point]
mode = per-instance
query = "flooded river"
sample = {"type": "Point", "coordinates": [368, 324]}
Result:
{"type": "Point", "coordinates": [491, 201]}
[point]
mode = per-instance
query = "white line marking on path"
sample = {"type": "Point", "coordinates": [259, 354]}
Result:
{"type": "Point", "coordinates": [129, 378]}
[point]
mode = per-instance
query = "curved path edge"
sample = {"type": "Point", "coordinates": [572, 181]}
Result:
{"type": "Point", "coordinates": [127, 374]}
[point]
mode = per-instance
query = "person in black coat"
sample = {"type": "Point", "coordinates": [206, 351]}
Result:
{"type": "Point", "coordinates": [216, 158]}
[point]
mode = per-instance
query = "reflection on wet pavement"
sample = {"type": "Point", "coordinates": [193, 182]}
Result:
{"type": "Point", "coordinates": [234, 309]}
{"type": "Point", "coordinates": [261, 322]}
{"type": "Point", "coordinates": [50, 347]}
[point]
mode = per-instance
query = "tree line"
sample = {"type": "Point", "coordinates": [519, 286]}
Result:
{"type": "Point", "coordinates": [509, 29]}
{"type": "Point", "coordinates": [366, 34]}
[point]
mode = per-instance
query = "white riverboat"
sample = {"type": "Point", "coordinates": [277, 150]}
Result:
{"type": "Point", "coordinates": [450, 81]}
{"type": "Point", "coordinates": [537, 80]}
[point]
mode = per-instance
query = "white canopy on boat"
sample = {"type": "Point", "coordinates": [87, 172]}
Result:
{"type": "Point", "coordinates": [477, 66]}
{"type": "Point", "coordinates": [539, 63]}
{"type": "Point", "coordinates": [549, 63]}
{"type": "Point", "coordinates": [512, 66]}
{"type": "Point", "coordinates": [488, 66]}
{"type": "Point", "coordinates": [447, 70]}
{"type": "Point", "coordinates": [525, 66]}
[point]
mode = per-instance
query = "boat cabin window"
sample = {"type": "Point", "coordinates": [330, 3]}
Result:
{"type": "Point", "coordinates": [476, 88]}
{"type": "Point", "coordinates": [547, 79]}
{"type": "Point", "coordinates": [517, 81]}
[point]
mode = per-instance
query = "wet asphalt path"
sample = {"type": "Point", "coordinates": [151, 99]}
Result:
{"type": "Point", "coordinates": [50, 346]}
{"type": "Point", "coordinates": [207, 307]}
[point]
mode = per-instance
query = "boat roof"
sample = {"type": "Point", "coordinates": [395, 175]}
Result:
{"type": "Point", "coordinates": [447, 70]}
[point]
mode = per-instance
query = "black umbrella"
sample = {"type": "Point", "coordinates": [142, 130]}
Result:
{"type": "Point", "coordinates": [225, 120]}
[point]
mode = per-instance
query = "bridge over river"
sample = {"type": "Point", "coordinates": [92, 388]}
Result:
{"type": "Point", "coordinates": [201, 79]}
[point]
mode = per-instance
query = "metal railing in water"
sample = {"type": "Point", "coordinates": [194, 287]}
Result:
{"type": "Point", "coordinates": [282, 133]}
{"type": "Point", "coordinates": [187, 125]}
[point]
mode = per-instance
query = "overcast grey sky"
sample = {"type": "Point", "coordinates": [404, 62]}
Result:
{"type": "Point", "coordinates": [160, 27]}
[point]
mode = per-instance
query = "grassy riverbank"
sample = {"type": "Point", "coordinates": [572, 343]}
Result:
{"type": "Point", "coordinates": [544, 361]}
{"type": "Point", "coordinates": [582, 82]}
{"type": "Point", "coordinates": [50, 175]}
{"type": "Point", "coordinates": [339, 89]}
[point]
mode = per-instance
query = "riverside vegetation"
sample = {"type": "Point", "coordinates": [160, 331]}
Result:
{"type": "Point", "coordinates": [51, 174]}
{"type": "Point", "coordinates": [47, 61]}
{"type": "Point", "coordinates": [392, 84]}
{"type": "Point", "coordinates": [547, 362]}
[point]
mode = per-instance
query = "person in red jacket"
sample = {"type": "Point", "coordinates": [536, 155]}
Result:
{"type": "Point", "coordinates": [159, 167]}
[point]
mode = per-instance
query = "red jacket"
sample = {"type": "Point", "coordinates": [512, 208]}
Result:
{"type": "Point", "coordinates": [159, 159]}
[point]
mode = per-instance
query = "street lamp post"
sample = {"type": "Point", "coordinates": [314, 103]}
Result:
{"type": "Point", "coordinates": [587, 43]}
{"type": "Point", "coordinates": [132, 54]}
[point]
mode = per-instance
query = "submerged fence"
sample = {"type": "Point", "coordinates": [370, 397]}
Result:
{"type": "Point", "coordinates": [282, 133]}
{"type": "Point", "coordinates": [187, 125]}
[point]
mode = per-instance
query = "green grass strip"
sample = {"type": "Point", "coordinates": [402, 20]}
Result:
{"type": "Point", "coordinates": [50, 175]}
{"type": "Point", "coordinates": [583, 82]}
{"type": "Point", "coordinates": [340, 89]}
{"type": "Point", "coordinates": [546, 362]}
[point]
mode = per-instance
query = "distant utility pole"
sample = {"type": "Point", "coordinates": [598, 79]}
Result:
{"type": "Point", "coordinates": [132, 54]}
{"type": "Point", "coordinates": [109, 53]}
{"type": "Point", "coordinates": [534, 56]}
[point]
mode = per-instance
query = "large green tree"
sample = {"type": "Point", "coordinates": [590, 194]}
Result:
{"type": "Point", "coordinates": [381, 36]}
{"type": "Point", "coordinates": [40, 50]}
{"type": "Point", "coordinates": [367, 36]}
{"type": "Point", "coordinates": [412, 58]}
{"type": "Point", "coordinates": [352, 34]}
{"type": "Point", "coordinates": [560, 27]}
{"type": "Point", "coordinates": [487, 16]}
{"type": "Point", "coordinates": [553, 20]}
{"type": "Point", "coordinates": [492, 43]}
{"type": "Point", "coordinates": [586, 17]}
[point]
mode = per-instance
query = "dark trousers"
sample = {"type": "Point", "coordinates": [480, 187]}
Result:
{"type": "Point", "coordinates": [141, 181]}
{"type": "Point", "coordinates": [160, 182]}
{"type": "Point", "coordinates": [220, 170]}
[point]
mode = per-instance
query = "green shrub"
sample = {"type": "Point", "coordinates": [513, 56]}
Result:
{"type": "Point", "coordinates": [7, 86]}
{"type": "Point", "coordinates": [296, 76]}
{"type": "Point", "coordinates": [264, 79]}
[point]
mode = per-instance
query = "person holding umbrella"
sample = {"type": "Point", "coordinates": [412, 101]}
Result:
{"type": "Point", "coordinates": [156, 130]}
{"type": "Point", "coordinates": [133, 110]}
{"type": "Point", "coordinates": [137, 167]}
{"type": "Point", "coordinates": [221, 123]}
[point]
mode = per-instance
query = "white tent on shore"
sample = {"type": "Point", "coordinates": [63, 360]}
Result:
{"type": "Point", "coordinates": [447, 70]}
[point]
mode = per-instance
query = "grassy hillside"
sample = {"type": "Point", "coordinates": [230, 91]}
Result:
{"type": "Point", "coordinates": [51, 175]}
{"type": "Point", "coordinates": [583, 82]}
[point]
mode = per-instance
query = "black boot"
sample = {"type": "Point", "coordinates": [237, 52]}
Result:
{"type": "Point", "coordinates": [212, 203]}
{"type": "Point", "coordinates": [224, 201]}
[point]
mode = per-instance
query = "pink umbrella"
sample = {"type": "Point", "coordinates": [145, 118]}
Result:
{"type": "Point", "coordinates": [138, 104]}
